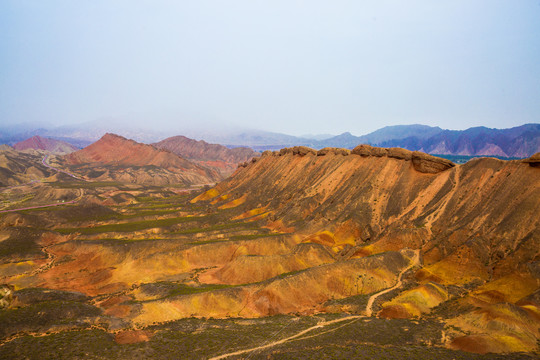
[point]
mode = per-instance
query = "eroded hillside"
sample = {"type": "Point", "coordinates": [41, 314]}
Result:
{"type": "Point", "coordinates": [214, 156]}
{"type": "Point", "coordinates": [41, 143]}
{"type": "Point", "coordinates": [115, 158]}
{"type": "Point", "coordinates": [365, 253]}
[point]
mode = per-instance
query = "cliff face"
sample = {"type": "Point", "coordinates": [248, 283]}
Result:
{"type": "Point", "coordinates": [215, 156]}
{"type": "Point", "coordinates": [127, 155]}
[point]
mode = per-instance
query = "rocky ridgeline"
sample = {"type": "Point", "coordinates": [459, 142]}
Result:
{"type": "Point", "coordinates": [534, 160]}
{"type": "Point", "coordinates": [421, 162]}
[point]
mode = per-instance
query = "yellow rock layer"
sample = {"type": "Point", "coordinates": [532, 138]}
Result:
{"type": "Point", "coordinates": [415, 302]}
{"type": "Point", "coordinates": [250, 213]}
{"type": "Point", "coordinates": [207, 195]}
{"type": "Point", "coordinates": [327, 238]}
{"type": "Point", "coordinates": [453, 270]}
{"type": "Point", "coordinates": [234, 203]}
{"type": "Point", "coordinates": [301, 292]}
{"type": "Point", "coordinates": [509, 288]}
{"type": "Point", "coordinates": [260, 217]}
{"type": "Point", "coordinates": [250, 269]}
{"type": "Point", "coordinates": [496, 328]}
{"type": "Point", "coordinates": [220, 199]}
{"type": "Point", "coordinates": [18, 268]}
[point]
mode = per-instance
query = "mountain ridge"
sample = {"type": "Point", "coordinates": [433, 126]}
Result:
{"type": "Point", "coordinates": [42, 143]}
{"type": "Point", "coordinates": [216, 156]}
{"type": "Point", "coordinates": [521, 141]}
{"type": "Point", "coordinates": [115, 150]}
{"type": "Point", "coordinates": [500, 142]}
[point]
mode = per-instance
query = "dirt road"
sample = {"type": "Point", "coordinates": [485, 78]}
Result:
{"type": "Point", "coordinates": [45, 162]}
{"type": "Point", "coordinates": [369, 310]}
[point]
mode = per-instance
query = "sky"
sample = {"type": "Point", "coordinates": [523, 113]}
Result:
{"type": "Point", "coordinates": [295, 67]}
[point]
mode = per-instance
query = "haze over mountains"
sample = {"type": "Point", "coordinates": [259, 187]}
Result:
{"type": "Point", "coordinates": [521, 141]}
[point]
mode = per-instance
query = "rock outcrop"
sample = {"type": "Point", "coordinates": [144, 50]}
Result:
{"type": "Point", "coordinates": [334, 151]}
{"type": "Point", "coordinates": [534, 160]}
{"type": "Point", "coordinates": [297, 150]}
{"type": "Point", "coordinates": [430, 164]}
{"type": "Point", "coordinates": [6, 296]}
{"type": "Point", "coordinates": [421, 162]}
{"type": "Point", "coordinates": [368, 150]}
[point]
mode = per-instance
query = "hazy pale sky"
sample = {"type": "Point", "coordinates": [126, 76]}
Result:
{"type": "Point", "coordinates": [287, 66]}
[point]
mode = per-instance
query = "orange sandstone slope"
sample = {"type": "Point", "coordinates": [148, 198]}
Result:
{"type": "Point", "coordinates": [476, 226]}
{"type": "Point", "coordinates": [114, 150]}
{"type": "Point", "coordinates": [214, 156]}
{"type": "Point", "coordinates": [474, 221]}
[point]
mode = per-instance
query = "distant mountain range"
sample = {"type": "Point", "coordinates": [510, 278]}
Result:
{"type": "Point", "coordinates": [79, 135]}
{"type": "Point", "coordinates": [521, 141]}
{"type": "Point", "coordinates": [378, 137]}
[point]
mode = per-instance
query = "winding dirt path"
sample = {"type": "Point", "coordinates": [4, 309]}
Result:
{"type": "Point", "coordinates": [369, 310]}
{"type": "Point", "coordinates": [45, 162]}
{"type": "Point", "coordinates": [414, 261]}
{"type": "Point", "coordinates": [79, 197]}
{"type": "Point", "coordinates": [40, 206]}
